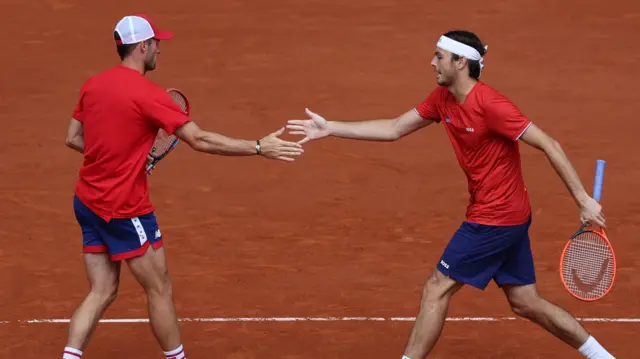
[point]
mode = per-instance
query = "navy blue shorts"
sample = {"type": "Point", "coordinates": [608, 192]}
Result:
{"type": "Point", "coordinates": [478, 253]}
{"type": "Point", "coordinates": [120, 238]}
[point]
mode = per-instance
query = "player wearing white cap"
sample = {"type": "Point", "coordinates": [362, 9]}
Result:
{"type": "Point", "coordinates": [114, 124]}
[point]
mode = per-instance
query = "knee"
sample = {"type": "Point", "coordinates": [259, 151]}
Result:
{"type": "Point", "coordinates": [167, 285]}
{"type": "Point", "coordinates": [436, 288]}
{"type": "Point", "coordinates": [162, 286]}
{"type": "Point", "coordinates": [105, 292]}
{"type": "Point", "coordinates": [526, 306]}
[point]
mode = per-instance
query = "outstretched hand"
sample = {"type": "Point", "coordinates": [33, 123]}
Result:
{"type": "Point", "coordinates": [277, 149]}
{"type": "Point", "coordinates": [314, 128]}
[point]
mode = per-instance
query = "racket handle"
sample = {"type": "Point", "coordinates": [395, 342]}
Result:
{"type": "Point", "coordinates": [597, 184]}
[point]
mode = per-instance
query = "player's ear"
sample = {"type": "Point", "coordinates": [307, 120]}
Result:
{"type": "Point", "coordinates": [461, 63]}
{"type": "Point", "coordinates": [144, 46]}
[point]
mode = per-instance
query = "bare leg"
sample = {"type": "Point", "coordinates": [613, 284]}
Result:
{"type": "Point", "coordinates": [527, 303]}
{"type": "Point", "coordinates": [104, 277]}
{"type": "Point", "coordinates": [150, 270]}
{"type": "Point", "coordinates": [436, 294]}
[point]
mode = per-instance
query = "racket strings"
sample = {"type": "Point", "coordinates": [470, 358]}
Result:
{"type": "Point", "coordinates": [179, 100]}
{"type": "Point", "coordinates": [588, 265]}
{"type": "Point", "coordinates": [162, 143]}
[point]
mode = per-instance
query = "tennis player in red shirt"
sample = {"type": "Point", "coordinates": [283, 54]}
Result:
{"type": "Point", "coordinates": [114, 125]}
{"type": "Point", "coordinates": [493, 243]}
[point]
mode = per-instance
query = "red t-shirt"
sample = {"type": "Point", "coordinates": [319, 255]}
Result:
{"type": "Point", "coordinates": [484, 132]}
{"type": "Point", "coordinates": [121, 112]}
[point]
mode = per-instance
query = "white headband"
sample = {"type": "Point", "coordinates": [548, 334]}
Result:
{"type": "Point", "coordinates": [460, 49]}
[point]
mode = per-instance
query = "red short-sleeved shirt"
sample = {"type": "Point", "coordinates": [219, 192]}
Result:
{"type": "Point", "coordinates": [121, 112]}
{"type": "Point", "coordinates": [484, 132]}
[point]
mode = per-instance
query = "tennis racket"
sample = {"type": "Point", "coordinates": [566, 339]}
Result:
{"type": "Point", "coordinates": [164, 143]}
{"type": "Point", "coordinates": [588, 262]}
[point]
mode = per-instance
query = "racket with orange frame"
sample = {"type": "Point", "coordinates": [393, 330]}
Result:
{"type": "Point", "coordinates": [588, 262]}
{"type": "Point", "coordinates": [164, 143]}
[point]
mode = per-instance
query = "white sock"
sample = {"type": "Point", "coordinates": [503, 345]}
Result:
{"type": "Point", "coordinates": [405, 357]}
{"type": "Point", "coordinates": [591, 349]}
{"type": "Point", "coordinates": [71, 353]}
{"type": "Point", "coordinates": [177, 353]}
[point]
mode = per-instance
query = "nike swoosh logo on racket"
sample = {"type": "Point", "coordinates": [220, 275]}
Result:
{"type": "Point", "coordinates": [588, 287]}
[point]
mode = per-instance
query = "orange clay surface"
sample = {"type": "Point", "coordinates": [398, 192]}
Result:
{"type": "Point", "coordinates": [351, 228]}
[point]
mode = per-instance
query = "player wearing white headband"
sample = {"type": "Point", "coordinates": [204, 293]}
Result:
{"type": "Point", "coordinates": [493, 243]}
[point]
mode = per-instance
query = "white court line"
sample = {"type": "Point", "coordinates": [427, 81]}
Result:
{"type": "Point", "coordinates": [322, 319]}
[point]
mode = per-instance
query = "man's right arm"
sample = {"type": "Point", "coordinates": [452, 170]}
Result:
{"type": "Point", "coordinates": [214, 143]}
{"type": "Point", "coordinates": [378, 130]}
{"type": "Point", "coordinates": [269, 146]}
{"type": "Point", "coordinates": [164, 113]}
{"type": "Point", "coordinates": [317, 127]}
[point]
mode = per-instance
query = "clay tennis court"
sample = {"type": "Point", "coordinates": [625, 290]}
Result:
{"type": "Point", "coordinates": [351, 229]}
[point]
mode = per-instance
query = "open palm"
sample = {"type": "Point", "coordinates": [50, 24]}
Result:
{"type": "Point", "coordinates": [314, 128]}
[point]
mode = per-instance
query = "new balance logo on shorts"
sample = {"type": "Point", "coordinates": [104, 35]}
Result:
{"type": "Point", "coordinates": [444, 264]}
{"type": "Point", "coordinates": [158, 234]}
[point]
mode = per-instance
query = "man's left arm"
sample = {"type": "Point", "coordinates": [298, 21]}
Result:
{"type": "Point", "coordinates": [590, 209]}
{"type": "Point", "coordinates": [537, 138]}
{"type": "Point", "coordinates": [75, 136]}
{"type": "Point", "coordinates": [506, 120]}
{"type": "Point", "coordinates": [75, 131]}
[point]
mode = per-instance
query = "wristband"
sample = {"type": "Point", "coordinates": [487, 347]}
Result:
{"type": "Point", "coordinates": [258, 147]}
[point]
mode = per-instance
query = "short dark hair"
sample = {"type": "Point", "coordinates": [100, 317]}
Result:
{"type": "Point", "coordinates": [471, 39]}
{"type": "Point", "coordinates": [125, 50]}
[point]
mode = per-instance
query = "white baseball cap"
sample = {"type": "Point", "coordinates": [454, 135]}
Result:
{"type": "Point", "coordinates": [136, 28]}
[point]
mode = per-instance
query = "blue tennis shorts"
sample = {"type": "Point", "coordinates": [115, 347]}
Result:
{"type": "Point", "coordinates": [120, 238]}
{"type": "Point", "coordinates": [478, 253]}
